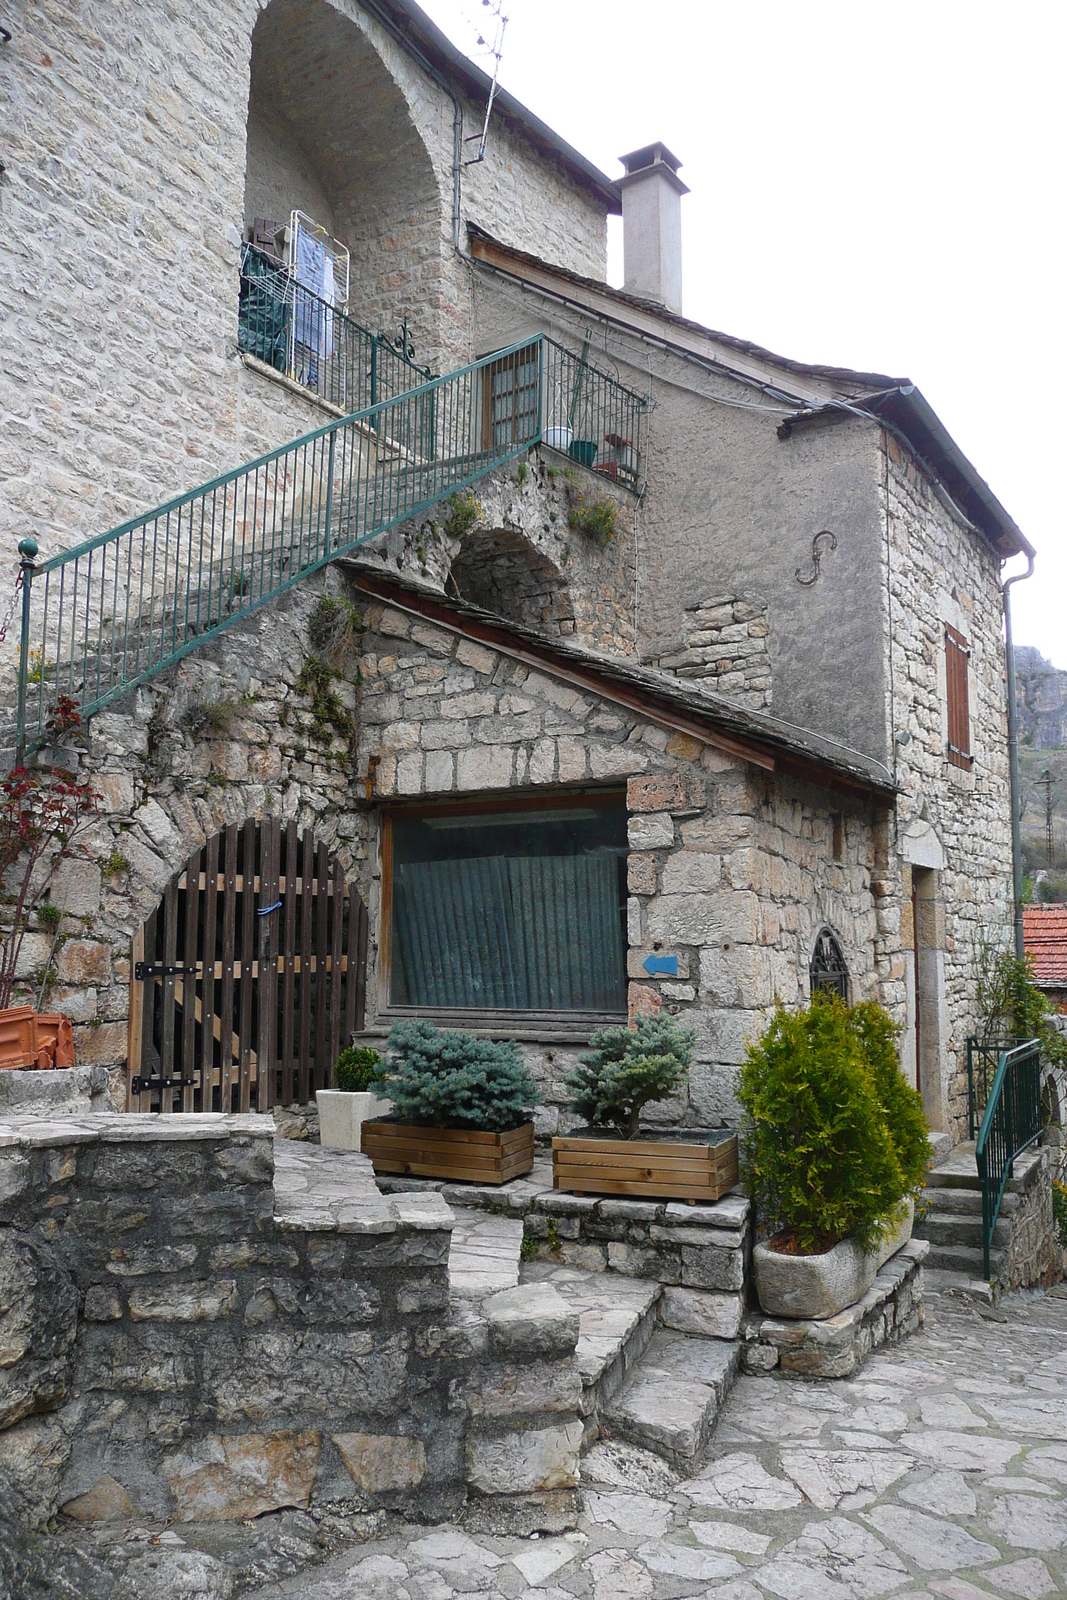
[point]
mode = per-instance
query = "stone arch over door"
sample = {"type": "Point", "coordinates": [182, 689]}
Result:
{"type": "Point", "coordinates": [248, 977]}
{"type": "Point", "coordinates": [502, 570]}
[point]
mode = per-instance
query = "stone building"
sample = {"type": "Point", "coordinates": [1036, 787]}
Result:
{"type": "Point", "coordinates": [693, 662]}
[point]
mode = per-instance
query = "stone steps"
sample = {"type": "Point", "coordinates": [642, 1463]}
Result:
{"type": "Point", "coordinates": [965, 1258]}
{"type": "Point", "coordinates": [672, 1397]}
{"type": "Point", "coordinates": [617, 1319]}
{"type": "Point", "coordinates": [961, 1228]}
{"type": "Point", "coordinates": [484, 1254]}
{"type": "Point", "coordinates": [951, 1219]}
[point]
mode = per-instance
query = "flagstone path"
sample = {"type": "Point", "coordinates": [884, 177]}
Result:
{"type": "Point", "coordinates": [939, 1474]}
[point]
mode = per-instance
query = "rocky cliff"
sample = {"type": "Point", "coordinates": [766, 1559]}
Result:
{"type": "Point", "coordinates": [1041, 689]}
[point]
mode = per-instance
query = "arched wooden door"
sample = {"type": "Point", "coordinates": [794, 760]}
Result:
{"type": "Point", "coordinates": [248, 978]}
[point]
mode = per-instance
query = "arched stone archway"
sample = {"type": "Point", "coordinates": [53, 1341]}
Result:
{"type": "Point", "coordinates": [248, 977]}
{"type": "Point", "coordinates": [501, 570]}
{"type": "Point", "coordinates": [330, 131]}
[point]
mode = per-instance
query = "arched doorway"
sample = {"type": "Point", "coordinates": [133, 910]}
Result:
{"type": "Point", "coordinates": [501, 570]}
{"type": "Point", "coordinates": [248, 978]}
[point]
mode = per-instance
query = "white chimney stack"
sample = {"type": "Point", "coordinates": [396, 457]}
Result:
{"type": "Point", "coordinates": [652, 225]}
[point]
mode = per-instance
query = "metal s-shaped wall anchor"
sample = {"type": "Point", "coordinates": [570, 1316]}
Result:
{"type": "Point", "coordinates": [816, 556]}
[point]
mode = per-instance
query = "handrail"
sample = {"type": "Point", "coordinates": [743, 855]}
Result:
{"type": "Point", "coordinates": [1011, 1123]}
{"type": "Point", "coordinates": [983, 1058]}
{"type": "Point", "coordinates": [108, 615]}
{"type": "Point", "coordinates": [305, 337]}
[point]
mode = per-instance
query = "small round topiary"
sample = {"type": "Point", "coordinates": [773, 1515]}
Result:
{"type": "Point", "coordinates": [357, 1070]}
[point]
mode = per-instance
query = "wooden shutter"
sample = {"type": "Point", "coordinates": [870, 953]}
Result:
{"type": "Point", "coordinates": [957, 656]}
{"type": "Point", "coordinates": [511, 399]}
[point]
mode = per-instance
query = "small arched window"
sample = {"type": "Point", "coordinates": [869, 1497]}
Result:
{"type": "Point", "coordinates": [828, 972]}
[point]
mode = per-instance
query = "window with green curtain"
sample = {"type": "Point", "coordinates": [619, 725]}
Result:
{"type": "Point", "coordinates": [511, 910]}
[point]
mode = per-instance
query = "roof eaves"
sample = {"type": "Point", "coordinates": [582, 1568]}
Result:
{"type": "Point", "coordinates": [414, 21]}
{"type": "Point", "coordinates": [766, 741]}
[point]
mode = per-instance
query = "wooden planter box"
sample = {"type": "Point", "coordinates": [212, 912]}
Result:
{"type": "Point", "coordinates": [696, 1165]}
{"type": "Point", "coordinates": [466, 1154]}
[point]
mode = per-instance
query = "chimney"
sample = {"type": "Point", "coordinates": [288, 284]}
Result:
{"type": "Point", "coordinates": [652, 225]}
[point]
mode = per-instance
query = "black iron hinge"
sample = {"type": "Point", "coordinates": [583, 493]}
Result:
{"type": "Point", "coordinates": [145, 969]}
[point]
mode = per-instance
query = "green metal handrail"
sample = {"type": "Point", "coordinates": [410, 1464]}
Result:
{"type": "Point", "coordinates": [108, 615]}
{"type": "Point", "coordinates": [1011, 1123]}
{"type": "Point", "coordinates": [983, 1058]}
{"type": "Point", "coordinates": [307, 339]}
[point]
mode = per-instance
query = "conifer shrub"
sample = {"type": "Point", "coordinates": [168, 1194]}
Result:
{"type": "Point", "coordinates": [452, 1080]}
{"type": "Point", "coordinates": [357, 1069]}
{"type": "Point", "coordinates": [628, 1069]}
{"type": "Point", "coordinates": [877, 1034]}
{"type": "Point", "coordinates": [819, 1156]}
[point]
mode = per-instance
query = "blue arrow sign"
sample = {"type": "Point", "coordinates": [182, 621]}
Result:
{"type": "Point", "coordinates": [665, 964]}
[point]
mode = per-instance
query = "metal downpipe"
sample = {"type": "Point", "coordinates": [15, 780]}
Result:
{"type": "Point", "coordinates": [1013, 765]}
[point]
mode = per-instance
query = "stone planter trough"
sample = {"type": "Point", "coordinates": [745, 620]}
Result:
{"type": "Point", "coordinates": [697, 1164]}
{"type": "Point", "coordinates": [467, 1154]}
{"type": "Point", "coordinates": [343, 1113]}
{"type": "Point", "coordinates": [821, 1286]}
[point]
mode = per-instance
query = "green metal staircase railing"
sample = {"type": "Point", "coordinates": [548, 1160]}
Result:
{"type": "Point", "coordinates": [1010, 1124]}
{"type": "Point", "coordinates": [102, 618]}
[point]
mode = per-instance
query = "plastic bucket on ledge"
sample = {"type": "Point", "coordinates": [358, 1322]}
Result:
{"type": "Point", "coordinates": [583, 451]}
{"type": "Point", "coordinates": [559, 438]}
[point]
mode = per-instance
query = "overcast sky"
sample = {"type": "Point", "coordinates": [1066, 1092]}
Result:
{"type": "Point", "coordinates": [879, 187]}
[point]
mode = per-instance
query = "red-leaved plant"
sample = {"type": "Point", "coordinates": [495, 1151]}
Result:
{"type": "Point", "coordinates": [42, 811]}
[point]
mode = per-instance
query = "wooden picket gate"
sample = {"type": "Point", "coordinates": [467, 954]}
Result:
{"type": "Point", "coordinates": [248, 978]}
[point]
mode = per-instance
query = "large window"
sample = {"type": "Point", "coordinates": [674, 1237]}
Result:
{"type": "Point", "coordinates": [507, 909]}
{"type": "Point", "coordinates": [512, 399]}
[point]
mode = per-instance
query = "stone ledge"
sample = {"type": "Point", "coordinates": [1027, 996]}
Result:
{"type": "Point", "coordinates": [837, 1347]}
{"type": "Point", "coordinates": [129, 1127]}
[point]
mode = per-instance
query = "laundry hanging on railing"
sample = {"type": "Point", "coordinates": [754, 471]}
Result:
{"type": "Point", "coordinates": [313, 320]}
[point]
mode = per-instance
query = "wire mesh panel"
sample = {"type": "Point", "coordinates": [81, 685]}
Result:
{"type": "Point", "coordinates": [249, 977]}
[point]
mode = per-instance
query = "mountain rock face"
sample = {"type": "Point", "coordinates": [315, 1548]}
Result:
{"type": "Point", "coordinates": [1041, 691]}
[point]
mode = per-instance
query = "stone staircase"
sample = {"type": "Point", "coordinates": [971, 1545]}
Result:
{"type": "Point", "coordinates": [950, 1217]}
{"type": "Point", "coordinates": [649, 1385]}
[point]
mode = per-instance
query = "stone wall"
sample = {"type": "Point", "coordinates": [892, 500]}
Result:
{"type": "Point", "coordinates": [1034, 1256]}
{"type": "Point", "coordinates": [949, 821]}
{"type": "Point", "coordinates": [183, 1341]}
{"type": "Point", "coordinates": [725, 641]}
{"type": "Point", "coordinates": [124, 197]}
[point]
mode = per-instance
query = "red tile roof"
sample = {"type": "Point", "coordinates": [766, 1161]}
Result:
{"type": "Point", "coordinates": [1045, 935]}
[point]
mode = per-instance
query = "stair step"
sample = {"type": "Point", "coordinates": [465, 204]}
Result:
{"type": "Point", "coordinates": [616, 1320]}
{"type": "Point", "coordinates": [958, 1228]}
{"type": "Point", "coordinates": [964, 1258]}
{"type": "Point", "coordinates": [966, 1202]}
{"type": "Point", "coordinates": [484, 1254]}
{"type": "Point", "coordinates": [671, 1400]}
{"type": "Point", "coordinates": [942, 1280]}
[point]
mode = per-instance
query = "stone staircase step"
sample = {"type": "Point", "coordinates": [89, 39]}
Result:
{"type": "Point", "coordinates": [941, 1280]}
{"type": "Point", "coordinates": [964, 1202]}
{"type": "Point", "coordinates": [617, 1318]}
{"type": "Point", "coordinates": [673, 1395]}
{"type": "Point", "coordinates": [961, 1228]}
{"type": "Point", "coordinates": [964, 1258]}
{"type": "Point", "coordinates": [484, 1254]}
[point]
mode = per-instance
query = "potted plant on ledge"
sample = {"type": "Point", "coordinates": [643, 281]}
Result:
{"type": "Point", "coordinates": [462, 1108]}
{"type": "Point", "coordinates": [834, 1148]}
{"type": "Point", "coordinates": [344, 1109]}
{"type": "Point", "coordinates": [627, 1069]}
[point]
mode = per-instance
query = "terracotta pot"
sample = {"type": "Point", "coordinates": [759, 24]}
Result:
{"type": "Point", "coordinates": [18, 1037]}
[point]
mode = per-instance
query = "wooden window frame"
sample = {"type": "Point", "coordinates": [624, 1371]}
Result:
{"type": "Point", "coordinates": [570, 1025]}
{"type": "Point", "coordinates": [512, 365]}
{"type": "Point", "coordinates": [957, 694]}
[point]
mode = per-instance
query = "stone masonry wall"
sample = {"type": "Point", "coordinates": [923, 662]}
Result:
{"type": "Point", "coordinates": [939, 572]}
{"type": "Point", "coordinates": [730, 873]}
{"type": "Point", "coordinates": [726, 640]}
{"type": "Point", "coordinates": [176, 1348]}
{"type": "Point", "coordinates": [124, 203]}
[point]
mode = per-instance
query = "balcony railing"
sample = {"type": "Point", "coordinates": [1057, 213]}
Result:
{"type": "Point", "coordinates": [110, 614]}
{"type": "Point", "coordinates": [1010, 1123]}
{"type": "Point", "coordinates": [307, 339]}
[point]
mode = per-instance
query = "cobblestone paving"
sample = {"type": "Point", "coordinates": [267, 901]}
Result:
{"type": "Point", "coordinates": [939, 1474]}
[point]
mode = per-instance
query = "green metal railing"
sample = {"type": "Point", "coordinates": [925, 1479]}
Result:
{"type": "Point", "coordinates": [983, 1059]}
{"type": "Point", "coordinates": [112, 613]}
{"type": "Point", "coordinates": [301, 335]}
{"type": "Point", "coordinates": [1012, 1122]}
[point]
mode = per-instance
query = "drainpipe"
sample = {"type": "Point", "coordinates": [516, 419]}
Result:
{"type": "Point", "coordinates": [1013, 764]}
{"type": "Point", "coordinates": [442, 82]}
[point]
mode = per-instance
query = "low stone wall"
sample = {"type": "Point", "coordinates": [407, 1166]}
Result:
{"type": "Point", "coordinates": [184, 1338]}
{"type": "Point", "coordinates": [1034, 1256]}
{"type": "Point", "coordinates": [837, 1347]}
